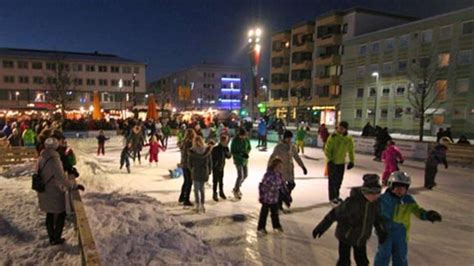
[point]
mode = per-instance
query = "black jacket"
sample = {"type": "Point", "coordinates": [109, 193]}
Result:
{"type": "Point", "coordinates": [200, 163]}
{"type": "Point", "coordinates": [101, 139]}
{"type": "Point", "coordinates": [219, 154]}
{"type": "Point", "coordinates": [355, 218]}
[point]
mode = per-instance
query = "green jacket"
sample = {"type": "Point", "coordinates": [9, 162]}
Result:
{"type": "Point", "coordinates": [29, 137]}
{"type": "Point", "coordinates": [337, 146]}
{"type": "Point", "coordinates": [240, 149]}
{"type": "Point", "coordinates": [300, 134]}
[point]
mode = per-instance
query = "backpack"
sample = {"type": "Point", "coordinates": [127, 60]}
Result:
{"type": "Point", "coordinates": [37, 183]}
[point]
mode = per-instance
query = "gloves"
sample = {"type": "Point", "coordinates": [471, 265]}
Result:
{"type": "Point", "coordinates": [319, 230]}
{"type": "Point", "coordinates": [80, 187]}
{"type": "Point", "coordinates": [305, 171]}
{"type": "Point", "coordinates": [433, 216]}
{"type": "Point", "coordinates": [350, 165]}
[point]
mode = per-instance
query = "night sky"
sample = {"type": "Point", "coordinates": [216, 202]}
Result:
{"type": "Point", "coordinates": [172, 35]}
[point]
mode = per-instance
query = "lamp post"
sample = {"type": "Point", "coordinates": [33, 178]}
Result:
{"type": "Point", "coordinates": [376, 75]}
{"type": "Point", "coordinates": [254, 46]}
{"type": "Point", "coordinates": [120, 84]}
{"type": "Point", "coordinates": [133, 88]}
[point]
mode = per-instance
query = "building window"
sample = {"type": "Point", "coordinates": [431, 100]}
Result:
{"type": "Point", "coordinates": [22, 64]}
{"type": "Point", "coordinates": [114, 82]}
{"type": "Point", "coordinates": [389, 44]}
{"type": "Point", "coordinates": [468, 27]}
{"type": "Point", "coordinates": [426, 36]}
{"type": "Point", "coordinates": [404, 41]}
{"type": "Point", "coordinates": [38, 80]}
{"type": "Point", "coordinates": [7, 64]}
{"type": "Point", "coordinates": [50, 80]}
{"type": "Point", "coordinates": [370, 113]}
{"type": "Point", "coordinates": [385, 92]}
{"type": "Point", "coordinates": [90, 82]}
{"type": "Point", "coordinates": [363, 49]}
{"type": "Point", "coordinates": [373, 68]}
{"type": "Point", "coordinates": [360, 93]}
{"type": "Point", "coordinates": [108, 97]}
{"type": "Point", "coordinates": [441, 89]}
{"type": "Point", "coordinates": [398, 112]}
{"type": "Point", "coordinates": [136, 70]}
{"type": "Point", "coordinates": [358, 114]}
{"type": "Point", "coordinates": [50, 66]}
{"type": "Point", "coordinates": [76, 67]}
{"type": "Point", "coordinates": [462, 85]}
{"type": "Point", "coordinates": [401, 90]}
{"type": "Point", "coordinates": [445, 32]}
{"type": "Point", "coordinates": [40, 97]}
{"type": "Point", "coordinates": [464, 57]}
{"type": "Point", "coordinates": [24, 79]}
{"type": "Point", "coordinates": [372, 92]}
{"type": "Point", "coordinates": [322, 91]}
{"type": "Point", "coordinates": [443, 60]}
{"type": "Point", "coordinates": [78, 82]}
{"type": "Point", "coordinates": [90, 68]}
{"type": "Point", "coordinates": [37, 65]}
{"type": "Point", "coordinates": [137, 83]}
{"type": "Point", "coordinates": [114, 69]}
{"type": "Point", "coordinates": [375, 47]}
{"type": "Point", "coordinates": [387, 67]}
{"type": "Point", "coordinates": [384, 113]}
{"type": "Point", "coordinates": [127, 83]}
{"type": "Point", "coordinates": [344, 28]}
{"type": "Point", "coordinates": [103, 82]}
{"type": "Point", "coordinates": [126, 70]}
{"type": "Point", "coordinates": [361, 71]}
{"type": "Point", "coordinates": [402, 66]}
{"type": "Point", "coordinates": [9, 79]}
{"type": "Point", "coordinates": [102, 68]}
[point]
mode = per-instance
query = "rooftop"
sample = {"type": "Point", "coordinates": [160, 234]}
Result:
{"type": "Point", "coordinates": [365, 10]}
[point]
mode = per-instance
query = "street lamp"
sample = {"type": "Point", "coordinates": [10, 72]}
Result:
{"type": "Point", "coordinates": [254, 38]}
{"type": "Point", "coordinates": [376, 75]}
{"type": "Point", "coordinates": [120, 84]}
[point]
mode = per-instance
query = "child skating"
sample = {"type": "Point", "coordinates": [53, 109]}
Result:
{"type": "Point", "coordinates": [125, 155]}
{"type": "Point", "coordinates": [101, 142]}
{"type": "Point", "coordinates": [200, 164]}
{"type": "Point", "coordinates": [219, 154]}
{"type": "Point", "coordinates": [397, 207]}
{"type": "Point", "coordinates": [155, 148]}
{"type": "Point", "coordinates": [391, 157]}
{"type": "Point", "coordinates": [355, 217]}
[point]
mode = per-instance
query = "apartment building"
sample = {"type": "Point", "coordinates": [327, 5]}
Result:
{"type": "Point", "coordinates": [379, 74]}
{"type": "Point", "coordinates": [201, 87]}
{"type": "Point", "coordinates": [311, 59]}
{"type": "Point", "coordinates": [26, 78]}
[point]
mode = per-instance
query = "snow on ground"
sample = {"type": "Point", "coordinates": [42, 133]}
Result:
{"type": "Point", "coordinates": [136, 217]}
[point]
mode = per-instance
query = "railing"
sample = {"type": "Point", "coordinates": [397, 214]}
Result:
{"type": "Point", "coordinates": [89, 253]}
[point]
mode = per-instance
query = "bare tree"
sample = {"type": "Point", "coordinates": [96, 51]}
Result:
{"type": "Point", "coordinates": [424, 92]}
{"type": "Point", "coordinates": [162, 95]}
{"type": "Point", "coordinates": [60, 83]}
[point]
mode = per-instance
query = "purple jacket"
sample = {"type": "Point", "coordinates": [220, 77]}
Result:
{"type": "Point", "coordinates": [269, 188]}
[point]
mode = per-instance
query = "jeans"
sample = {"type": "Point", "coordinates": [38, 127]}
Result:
{"type": "Point", "coordinates": [242, 172]}
{"type": "Point", "coordinates": [217, 176]}
{"type": "Point", "coordinates": [199, 195]}
{"type": "Point", "coordinates": [55, 225]}
{"type": "Point", "coordinates": [187, 185]}
{"type": "Point", "coordinates": [336, 173]}
{"type": "Point", "coordinates": [360, 255]}
{"type": "Point", "coordinates": [262, 219]}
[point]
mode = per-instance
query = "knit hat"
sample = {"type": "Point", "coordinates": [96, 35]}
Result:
{"type": "Point", "coordinates": [344, 124]}
{"type": "Point", "coordinates": [287, 134]}
{"type": "Point", "coordinates": [51, 143]}
{"type": "Point", "coordinates": [371, 184]}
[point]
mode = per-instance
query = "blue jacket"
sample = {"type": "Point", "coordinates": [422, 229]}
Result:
{"type": "Point", "coordinates": [262, 128]}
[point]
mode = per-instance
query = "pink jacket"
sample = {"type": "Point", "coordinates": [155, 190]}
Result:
{"type": "Point", "coordinates": [155, 147]}
{"type": "Point", "coordinates": [391, 156]}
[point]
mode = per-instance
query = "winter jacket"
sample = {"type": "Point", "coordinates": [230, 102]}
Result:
{"type": "Point", "coordinates": [355, 218]}
{"type": "Point", "coordinates": [29, 137]}
{"type": "Point", "coordinates": [200, 163]}
{"type": "Point", "coordinates": [219, 154]}
{"type": "Point", "coordinates": [155, 147]}
{"type": "Point", "coordinates": [101, 139]}
{"type": "Point", "coordinates": [125, 154]}
{"type": "Point", "coordinates": [270, 187]}
{"type": "Point", "coordinates": [137, 139]}
{"type": "Point", "coordinates": [14, 140]}
{"type": "Point", "coordinates": [286, 152]}
{"type": "Point", "coordinates": [240, 149]}
{"type": "Point", "coordinates": [52, 200]}
{"type": "Point", "coordinates": [300, 134]}
{"type": "Point", "coordinates": [397, 213]}
{"type": "Point", "coordinates": [437, 156]}
{"type": "Point", "coordinates": [184, 148]}
{"type": "Point", "coordinates": [337, 146]}
{"type": "Point", "coordinates": [391, 156]}
{"type": "Point", "coordinates": [324, 133]}
{"type": "Point", "coordinates": [262, 128]}
{"type": "Point", "coordinates": [68, 158]}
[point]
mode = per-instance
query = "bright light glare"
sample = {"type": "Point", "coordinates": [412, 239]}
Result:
{"type": "Point", "coordinates": [257, 40]}
{"type": "Point", "coordinates": [375, 74]}
{"type": "Point", "coordinates": [257, 48]}
{"type": "Point", "coordinates": [250, 40]}
{"type": "Point", "coordinates": [250, 33]}
{"type": "Point", "coordinates": [258, 32]}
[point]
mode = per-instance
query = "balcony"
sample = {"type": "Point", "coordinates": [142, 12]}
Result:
{"type": "Point", "coordinates": [302, 65]}
{"type": "Point", "coordinates": [327, 80]}
{"type": "Point", "coordinates": [306, 83]}
{"type": "Point", "coordinates": [306, 47]}
{"type": "Point", "coordinates": [335, 39]}
{"type": "Point", "coordinates": [281, 69]}
{"type": "Point", "coordinates": [334, 59]}
{"type": "Point", "coordinates": [280, 85]}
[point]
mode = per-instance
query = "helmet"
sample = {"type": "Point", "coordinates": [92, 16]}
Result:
{"type": "Point", "coordinates": [399, 177]}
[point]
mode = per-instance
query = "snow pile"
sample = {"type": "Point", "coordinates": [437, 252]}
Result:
{"type": "Point", "coordinates": [24, 169]}
{"type": "Point", "coordinates": [135, 228]}
{"type": "Point", "coordinates": [23, 237]}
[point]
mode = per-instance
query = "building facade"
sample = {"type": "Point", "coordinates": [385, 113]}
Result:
{"type": "Point", "coordinates": [27, 78]}
{"type": "Point", "coordinates": [307, 66]}
{"type": "Point", "coordinates": [380, 75]}
{"type": "Point", "coordinates": [201, 87]}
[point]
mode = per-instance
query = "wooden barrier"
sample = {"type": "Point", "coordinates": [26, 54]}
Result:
{"type": "Point", "coordinates": [16, 155]}
{"type": "Point", "coordinates": [89, 253]}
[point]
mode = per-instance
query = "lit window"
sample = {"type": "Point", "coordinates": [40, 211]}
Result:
{"type": "Point", "coordinates": [441, 89]}
{"type": "Point", "coordinates": [443, 60]}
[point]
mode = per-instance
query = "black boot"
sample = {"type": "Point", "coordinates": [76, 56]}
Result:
{"type": "Point", "coordinates": [181, 198]}
{"type": "Point", "coordinates": [214, 196]}
{"type": "Point", "coordinates": [222, 195]}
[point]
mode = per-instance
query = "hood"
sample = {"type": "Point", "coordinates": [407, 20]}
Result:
{"type": "Point", "coordinates": [200, 152]}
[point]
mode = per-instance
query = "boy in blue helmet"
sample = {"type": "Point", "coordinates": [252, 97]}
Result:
{"type": "Point", "coordinates": [397, 206]}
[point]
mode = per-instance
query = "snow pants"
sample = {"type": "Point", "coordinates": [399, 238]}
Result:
{"type": "Point", "coordinates": [360, 255]}
{"type": "Point", "coordinates": [335, 175]}
{"type": "Point", "coordinates": [153, 157]}
{"type": "Point", "coordinates": [395, 247]}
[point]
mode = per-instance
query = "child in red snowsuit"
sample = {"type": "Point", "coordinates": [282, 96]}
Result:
{"type": "Point", "coordinates": [155, 148]}
{"type": "Point", "coordinates": [391, 157]}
